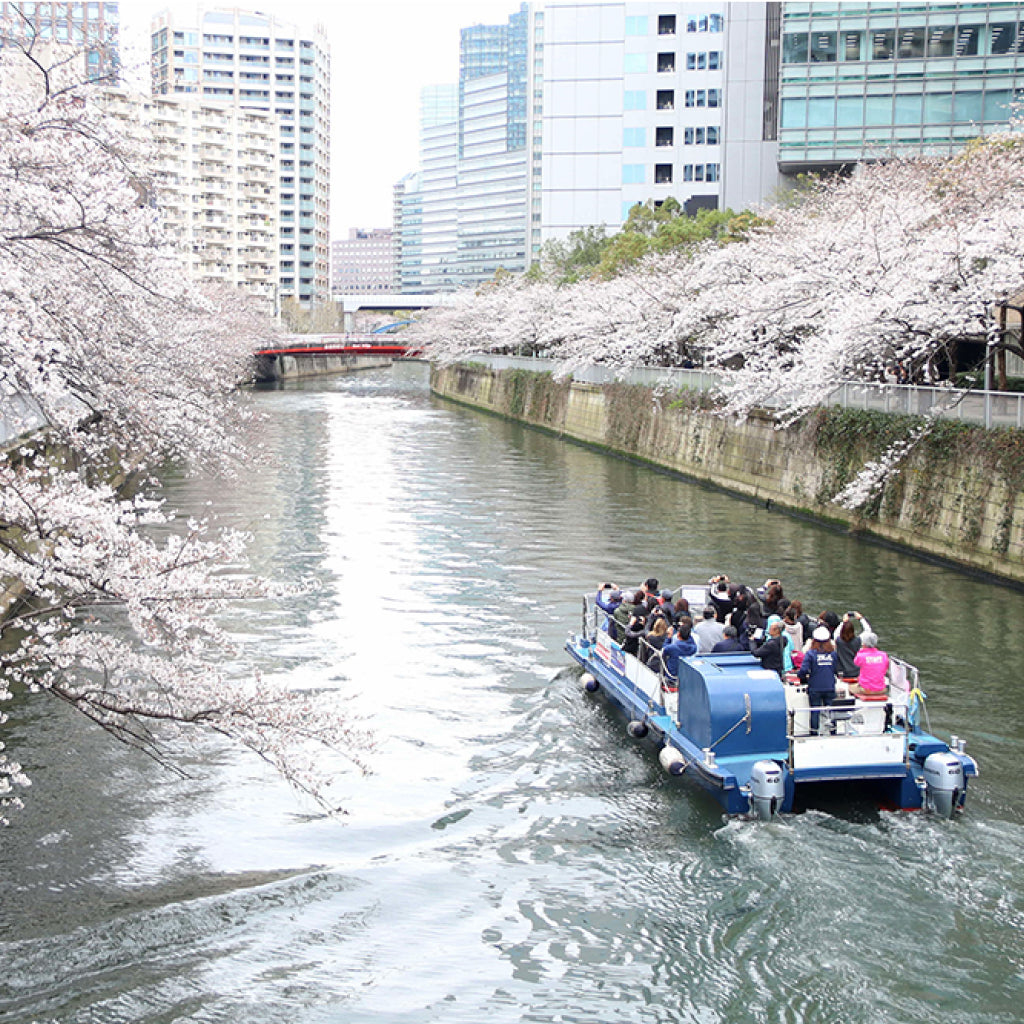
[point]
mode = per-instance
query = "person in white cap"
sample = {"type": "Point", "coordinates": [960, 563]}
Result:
{"type": "Point", "coordinates": [818, 671]}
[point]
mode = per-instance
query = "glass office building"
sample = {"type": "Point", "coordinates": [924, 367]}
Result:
{"type": "Point", "coordinates": [91, 28]}
{"type": "Point", "coordinates": [861, 81]}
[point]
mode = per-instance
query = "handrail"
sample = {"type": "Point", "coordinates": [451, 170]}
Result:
{"type": "Point", "coordinates": [989, 408]}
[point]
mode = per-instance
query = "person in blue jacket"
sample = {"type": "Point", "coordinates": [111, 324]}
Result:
{"type": "Point", "coordinates": [818, 671]}
{"type": "Point", "coordinates": [682, 645]}
{"type": "Point", "coordinates": [609, 597]}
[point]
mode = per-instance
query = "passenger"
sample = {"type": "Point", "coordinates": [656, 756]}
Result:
{"type": "Point", "coordinates": [680, 609]}
{"type": "Point", "coordinates": [873, 665]}
{"type": "Point", "coordinates": [772, 595]}
{"type": "Point", "coordinates": [848, 644]}
{"type": "Point", "coordinates": [728, 643]}
{"type": "Point", "coordinates": [627, 608]}
{"type": "Point", "coordinates": [708, 631]}
{"type": "Point", "coordinates": [650, 586]}
{"type": "Point", "coordinates": [787, 643]}
{"type": "Point", "coordinates": [719, 597]}
{"type": "Point", "coordinates": [818, 671]}
{"type": "Point", "coordinates": [635, 630]}
{"type": "Point", "coordinates": [804, 619]}
{"type": "Point", "coordinates": [793, 627]}
{"type": "Point", "coordinates": [657, 637]}
{"type": "Point", "coordinates": [770, 651]}
{"type": "Point", "coordinates": [608, 598]}
{"type": "Point", "coordinates": [680, 645]}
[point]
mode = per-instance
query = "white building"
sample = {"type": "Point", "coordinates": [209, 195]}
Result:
{"type": "Point", "coordinates": [217, 187]}
{"type": "Point", "coordinates": [650, 100]}
{"type": "Point", "coordinates": [233, 56]}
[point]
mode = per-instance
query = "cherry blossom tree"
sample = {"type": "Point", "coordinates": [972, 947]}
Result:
{"type": "Point", "coordinates": [873, 277]}
{"type": "Point", "coordinates": [111, 602]}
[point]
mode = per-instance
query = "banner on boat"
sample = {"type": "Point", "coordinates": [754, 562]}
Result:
{"type": "Point", "coordinates": [610, 652]}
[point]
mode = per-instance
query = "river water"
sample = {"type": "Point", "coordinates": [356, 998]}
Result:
{"type": "Point", "coordinates": [513, 856]}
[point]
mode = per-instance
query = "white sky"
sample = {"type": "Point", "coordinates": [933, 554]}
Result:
{"type": "Point", "coordinates": [382, 52]}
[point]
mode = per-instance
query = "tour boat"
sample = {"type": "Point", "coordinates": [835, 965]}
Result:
{"type": "Point", "coordinates": [744, 734]}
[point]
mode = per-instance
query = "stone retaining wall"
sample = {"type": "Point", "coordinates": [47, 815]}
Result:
{"type": "Point", "coordinates": [955, 507]}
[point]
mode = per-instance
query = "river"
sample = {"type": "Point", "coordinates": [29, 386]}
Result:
{"type": "Point", "coordinates": [513, 856]}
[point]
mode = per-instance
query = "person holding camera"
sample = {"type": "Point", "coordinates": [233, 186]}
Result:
{"type": "Point", "coordinates": [848, 644]}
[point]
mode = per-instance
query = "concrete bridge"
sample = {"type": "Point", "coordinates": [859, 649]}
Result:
{"type": "Point", "coordinates": [387, 303]}
{"type": "Point", "coordinates": [311, 355]}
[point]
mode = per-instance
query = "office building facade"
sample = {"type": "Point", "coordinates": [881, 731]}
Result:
{"type": "Point", "coordinates": [91, 28]}
{"type": "Point", "coordinates": [467, 212]}
{"type": "Point", "coordinates": [254, 60]}
{"type": "Point", "coordinates": [363, 263]}
{"type": "Point", "coordinates": [642, 102]}
{"type": "Point", "coordinates": [864, 81]}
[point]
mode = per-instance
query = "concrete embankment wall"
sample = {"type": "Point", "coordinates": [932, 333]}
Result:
{"type": "Point", "coordinates": [959, 496]}
{"type": "Point", "coordinates": [291, 367]}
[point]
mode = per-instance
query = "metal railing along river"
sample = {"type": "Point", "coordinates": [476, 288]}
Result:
{"type": "Point", "coordinates": [988, 408]}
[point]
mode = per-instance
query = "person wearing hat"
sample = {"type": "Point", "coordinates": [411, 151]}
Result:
{"type": "Point", "coordinates": [818, 671]}
{"type": "Point", "coordinates": [609, 597]}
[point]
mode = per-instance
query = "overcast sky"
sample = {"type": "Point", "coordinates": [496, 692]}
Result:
{"type": "Point", "coordinates": [382, 53]}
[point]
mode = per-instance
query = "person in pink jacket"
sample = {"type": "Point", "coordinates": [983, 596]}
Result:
{"type": "Point", "coordinates": [873, 665]}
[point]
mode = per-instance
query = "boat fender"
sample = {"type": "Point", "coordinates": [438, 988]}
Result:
{"type": "Point", "coordinates": [590, 683]}
{"type": "Point", "coordinates": [637, 729]}
{"type": "Point", "coordinates": [767, 789]}
{"type": "Point", "coordinates": [672, 760]}
{"type": "Point", "coordinates": [944, 782]}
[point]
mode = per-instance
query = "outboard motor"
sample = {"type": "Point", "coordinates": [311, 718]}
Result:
{"type": "Point", "coordinates": [944, 782]}
{"type": "Point", "coordinates": [767, 789]}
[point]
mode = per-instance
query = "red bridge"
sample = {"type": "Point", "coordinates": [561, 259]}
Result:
{"type": "Point", "coordinates": [314, 354]}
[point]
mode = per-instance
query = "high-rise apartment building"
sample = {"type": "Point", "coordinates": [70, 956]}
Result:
{"type": "Point", "coordinates": [363, 263]}
{"type": "Point", "coordinates": [92, 28]}
{"type": "Point", "coordinates": [216, 178]}
{"type": "Point", "coordinates": [863, 81]}
{"type": "Point", "coordinates": [256, 61]}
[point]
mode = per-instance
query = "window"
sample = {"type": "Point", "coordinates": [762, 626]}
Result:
{"type": "Point", "coordinates": [712, 172]}
{"type": "Point", "coordinates": [1005, 38]}
{"type": "Point", "coordinates": [851, 45]}
{"type": "Point", "coordinates": [714, 98]}
{"type": "Point", "coordinates": [634, 99]}
{"type": "Point", "coordinates": [883, 44]}
{"type": "Point", "coordinates": [910, 43]}
{"type": "Point", "coordinates": [690, 97]}
{"type": "Point", "coordinates": [698, 172]}
{"type": "Point", "coordinates": [794, 48]}
{"type": "Point", "coordinates": [635, 64]}
{"type": "Point", "coordinates": [822, 46]}
{"type": "Point", "coordinates": [664, 136]}
{"type": "Point", "coordinates": [714, 60]}
{"type": "Point", "coordinates": [666, 24]}
{"type": "Point", "coordinates": [967, 41]}
{"type": "Point", "coordinates": [715, 23]}
{"type": "Point", "coordinates": [940, 41]}
{"type": "Point", "coordinates": [701, 98]}
{"type": "Point", "coordinates": [636, 26]}
{"type": "Point", "coordinates": [634, 137]}
{"type": "Point", "coordinates": [688, 172]}
{"type": "Point", "coordinates": [663, 174]}
{"type": "Point", "coordinates": [713, 136]}
{"type": "Point", "coordinates": [702, 61]}
{"type": "Point", "coordinates": [691, 62]}
{"type": "Point", "coordinates": [666, 62]}
{"type": "Point", "coordinates": [691, 25]}
{"type": "Point", "coordinates": [632, 174]}
{"type": "Point", "coordinates": [699, 140]}
{"type": "Point", "coordinates": [666, 99]}
{"type": "Point", "coordinates": [687, 136]}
